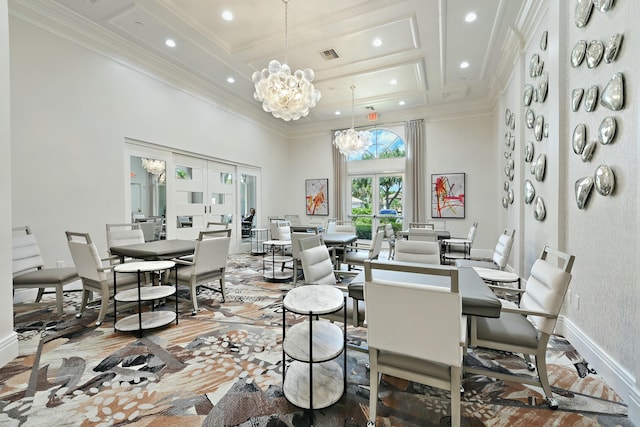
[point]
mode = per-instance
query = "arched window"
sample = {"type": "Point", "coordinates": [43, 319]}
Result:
{"type": "Point", "coordinates": [386, 144]}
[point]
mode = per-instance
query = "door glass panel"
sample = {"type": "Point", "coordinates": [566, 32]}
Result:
{"type": "Point", "coordinates": [218, 198]}
{"type": "Point", "coordinates": [390, 195]}
{"type": "Point", "coordinates": [361, 206]}
{"type": "Point", "coordinates": [148, 190]}
{"type": "Point", "coordinates": [226, 178]}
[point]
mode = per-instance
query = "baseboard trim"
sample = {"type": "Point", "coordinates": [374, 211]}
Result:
{"type": "Point", "coordinates": [8, 348]}
{"type": "Point", "coordinates": [621, 380]}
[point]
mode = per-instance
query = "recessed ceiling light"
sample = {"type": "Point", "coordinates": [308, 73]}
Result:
{"type": "Point", "coordinates": [394, 81]}
{"type": "Point", "coordinates": [470, 17]}
{"type": "Point", "coordinates": [401, 103]}
{"type": "Point", "coordinates": [338, 113]}
{"type": "Point", "coordinates": [464, 64]}
{"type": "Point", "coordinates": [227, 15]}
{"type": "Point", "coordinates": [231, 80]}
{"type": "Point", "coordinates": [170, 42]}
{"type": "Point", "coordinates": [377, 42]}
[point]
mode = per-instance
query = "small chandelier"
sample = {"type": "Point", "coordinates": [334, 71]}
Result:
{"type": "Point", "coordinates": [287, 96]}
{"type": "Point", "coordinates": [153, 166]}
{"type": "Point", "coordinates": [350, 141]}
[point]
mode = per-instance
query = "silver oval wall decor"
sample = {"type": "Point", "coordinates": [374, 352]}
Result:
{"type": "Point", "coordinates": [505, 186]}
{"type": "Point", "coordinates": [591, 98]}
{"type": "Point", "coordinates": [534, 65]}
{"type": "Point", "coordinates": [583, 188]}
{"type": "Point", "coordinates": [612, 48]}
{"type": "Point", "coordinates": [578, 53]}
{"type": "Point", "coordinates": [537, 127]}
{"type": "Point", "coordinates": [505, 202]}
{"type": "Point", "coordinates": [605, 180]}
{"type": "Point", "coordinates": [607, 130]}
{"type": "Point", "coordinates": [613, 94]}
{"type": "Point", "coordinates": [527, 95]}
{"type": "Point", "coordinates": [511, 196]}
{"type": "Point", "coordinates": [543, 87]}
{"type": "Point", "coordinates": [529, 191]}
{"type": "Point", "coordinates": [587, 153]}
{"type": "Point", "coordinates": [528, 152]}
{"type": "Point", "coordinates": [595, 50]}
{"type": "Point", "coordinates": [603, 5]}
{"type": "Point", "coordinates": [507, 117]}
{"type": "Point", "coordinates": [576, 98]}
{"type": "Point", "coordinates": [543, 40]}
{"type": "Point", "coordinates": [582, 12]}
{"type": "Point", "coordinates": [579, 138]}
{"type": "Point", "coordinates": [539, 167]}
{"type": "Point", "coordinates": [529, 117]}
{"type": "Point", "coordinates": [539, 210]}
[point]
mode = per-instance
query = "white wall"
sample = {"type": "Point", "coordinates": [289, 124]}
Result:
{"type": "Point", "coordinates": [8, 338]}
{"type": "Point", "coordinates": [71, 112]}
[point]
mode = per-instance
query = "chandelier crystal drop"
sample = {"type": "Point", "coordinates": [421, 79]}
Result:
{"type": "Point", "coordinates": [286, 95]}
{"type": "Point", "coordinates": [351, 141]}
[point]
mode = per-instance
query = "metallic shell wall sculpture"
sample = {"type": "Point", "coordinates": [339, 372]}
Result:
{"type": "Point", "coordinates": [607, 130]}
{"type": "Point", "coordinates": [587, 153]}
{"type": "Point", "coordinates": [537, 127]}
{"type": "Point", "coordinates": [529, 191]}
{"type": "Point", "coordinates": [612, 48]}
{"type": "Point", "coordinates": [543, 40]}
{"type": "Point", "coordinates": [583, 188]}
{"type": "Point", "coordinates": [604, 180]}
{"type": "Point", "coordinates": [539, 167]}
{"type": "Point", "coordinates": [603, 5]}
{"type": "Point", "coordinates": [529, 118]}
{"type": "Point", "coordinates": [527, 95]}
{"type": "Point", "coordinates": [576, 98]}
{"type": "Point", "coordinates": [578, 53]}
{"type": "Point", "coordinates": [595, 50]}
{"type": "Point", "coordinates": [528, 152]}
{"type": "Point", "coordinates": [591, 98]}
{"type": "Point", "coordinates": [579, 138]}
{"type": "Point", "coordinates": [583, 12]}
{"type": "Point", "coordinates": [613, 94]}
{"type": "Point", "coordinates": [539, 210]}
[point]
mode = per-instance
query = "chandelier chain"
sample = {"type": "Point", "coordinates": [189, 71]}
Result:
{"type": "Point", "coordinates": [286, 31]}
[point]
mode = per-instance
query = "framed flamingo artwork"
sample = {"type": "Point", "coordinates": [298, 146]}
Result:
{"type": "Point", "coordinates": [317, 196]}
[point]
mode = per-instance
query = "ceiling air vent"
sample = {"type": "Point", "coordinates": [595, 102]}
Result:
{"type": "Point", "coordinates": [369, 107]}
{"type": "Point", "coordinates": [330, 54]}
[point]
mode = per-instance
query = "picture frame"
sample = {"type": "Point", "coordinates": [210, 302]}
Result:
{"type": "Point", "coordinates": [317, 196]}
{"type": "Point", "coordinates": [447, 195]}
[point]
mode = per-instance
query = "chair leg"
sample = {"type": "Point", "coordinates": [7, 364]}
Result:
{"type": "Point", "coordinates": [194, 299]}
{"type": "Point", "coordinates": [59, 298]}
{"type": "Point", "coordinates": [40, 293]}
{"type": "Point", "coordinates": [223, 290]}
{"type": "Point", "coordinates": [104, 307]}
{"type": "Point", "coordinates": [455, 396]}
{"type": "Point", "coordinates": [83, 303]}
{"type": "Point", "coordinates": [374, 382]}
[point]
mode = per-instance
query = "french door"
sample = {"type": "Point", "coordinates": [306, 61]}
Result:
{"type": "Point", "coordinates": [375, 200]}
{"type": "Point", "coordinates": [204, 192]}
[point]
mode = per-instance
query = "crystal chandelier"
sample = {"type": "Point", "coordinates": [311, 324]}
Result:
{"type": "Point", "coordinates": [153, 166]}
{"type": "Point", "coordinates": [287, 96]}
{"type": "Point", "coordinates": [351, 141]}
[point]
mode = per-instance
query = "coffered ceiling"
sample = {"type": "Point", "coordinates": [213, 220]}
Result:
{"type": "Point", "coordinates": [415, 69]}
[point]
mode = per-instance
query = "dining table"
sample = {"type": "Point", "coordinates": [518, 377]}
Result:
{"type": "Point", "coordinates": [157, 250]}
{"type": "Point", "coordinates": [440, 234]}
{"type": "Point", "coordinates": [339, 241]}
{"type": "Point", "coordinates": [477, 298]}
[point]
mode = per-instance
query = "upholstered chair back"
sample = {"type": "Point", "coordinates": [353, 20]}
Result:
{"type": "Point", "coordinates": [503, 249]}
{"type": "Point", "coordinates": [417, 251]}
{"type": "Point", "coordinates": [317, 266]}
